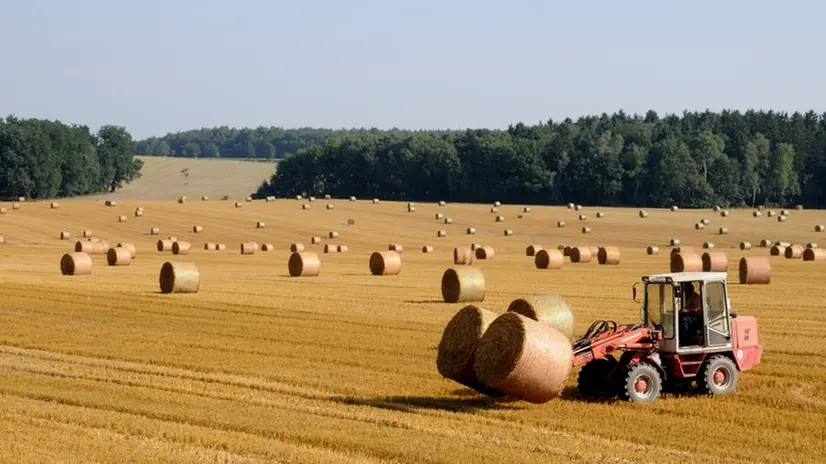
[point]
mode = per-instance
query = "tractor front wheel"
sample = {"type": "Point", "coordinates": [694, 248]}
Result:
{"type": "Point", "coordinates": [598, 378]}
{"type": "Point", "coordinates": [642, 383]}
{"type": "Point", "coordinates": [717, 376]}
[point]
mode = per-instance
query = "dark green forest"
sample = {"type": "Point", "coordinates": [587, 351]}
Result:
{"type": "Point", "coordinates": [697, 159]}
{"type": "Point", "coordinates": [48, 159]}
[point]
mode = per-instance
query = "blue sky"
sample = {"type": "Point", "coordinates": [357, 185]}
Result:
{"type": "Point", "coordinates": [158, 67]}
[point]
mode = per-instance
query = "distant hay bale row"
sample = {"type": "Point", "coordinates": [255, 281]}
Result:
{"type": "Point", "coordinates": [209, 246]}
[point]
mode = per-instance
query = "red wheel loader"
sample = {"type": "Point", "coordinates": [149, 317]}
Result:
{"type": "Point", "coordinates": [671, 349]}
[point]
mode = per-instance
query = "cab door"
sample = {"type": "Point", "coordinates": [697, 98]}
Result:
{"type": "Point", "coordinates": [715, 309]}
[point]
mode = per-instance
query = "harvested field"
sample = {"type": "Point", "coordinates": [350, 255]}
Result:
{"type": "Point", "coordinates": [258, 366]}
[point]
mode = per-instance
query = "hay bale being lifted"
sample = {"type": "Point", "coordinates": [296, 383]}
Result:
{"type": "Point", "coordinates": [715, 261]}
{"type": "Point", "coordinates": [755, 270]}
{"type": "Point", "coordinates": [249, 248]}
{"type": "Point", "coordinates": [484, 252]}
{"type": "Point", "coordinates": [462, 256]}
{"type": "Point", "coordinates": [130, 247]}
{"type": "Point", "coordinates": [814, 254]}
{"type": "Point", "coordinates": [457, 348]}
{"type": "Point", "coordinates": [652, 250]}
{"type": "Point", "coordinates": [463, 284]}
{"type": "Point", "coordinates": [581, 255]}
{"type": "Point", "coordinates": [78, 263]}
{"type": "Point", "coordinates": [118, 257]}
{"type": "Point", "coordinates": [532, 249]}
{"type": "Point", "coordinates": [304, 265]}
{"type": "Point", "coordinates": [181, 248]}
{"type": "Point", "coordinates": [794, 252]}
{"type": "Point", "coordinates": [524, 358]}
{"type": "Point", "coordinates": [427, 249]}
{"type": "Point", "coordinates": [549, 259]}
{"type": "Point", "coordinates": [551, 310]}
{"type": "Point", "coordinates": [686, 261]}
{"type": "Point", "coordinates": [608, 256]}
{"type": "Point", "coordinates": [179, 277]}
{"type": "Point", "coordinates": [385, 263]}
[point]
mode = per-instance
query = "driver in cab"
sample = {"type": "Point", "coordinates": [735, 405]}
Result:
{"type": "Point", "coordinates": [691, 314]}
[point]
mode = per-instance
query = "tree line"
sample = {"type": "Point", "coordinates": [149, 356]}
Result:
{"type": "Point", "coordinates": [48, 159]}
{"type": "Point", "coordinates": [697, 159]}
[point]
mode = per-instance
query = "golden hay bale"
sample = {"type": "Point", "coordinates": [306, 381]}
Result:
{"type": "Point", "coordinates": [78, 263]}
{"type": "Point", "coordinates": [342, 249]}
{"type": "Point", "coordinates": [586, 230]}
{"type": "Point", "coordinates": [782, 244]}
{"type": "Point", "coordinates": [462, 255]}
{"type": "Point", "coordinates": [332, 234]}
{"type": "Point", "coordinates": [181, 248]}
{"type": "Point", "coordinates": [427, 249]}
{"type": "Point", "coordinates": [267, 247]}
{"type": "Point", "coordinates": [375, 201]}
{"type": "Point", "coordinates": [699, 226]}
{"type": "Point", "coordinates": [351, 222]}
{"type": "Point", "coordinates": [582, 217]}
{"type": "Point", "coordinates": [448, 220]}
{"type": "Point", "coordinates": [600, 215]}
{"type": "Point", "coordinates": [65, 236]}
{"type": "Point", "coordinates": [708, 245]}
{"type": "Point", "coordinates": [154, 231]}
{"type": "Point", "coordinates": [756, 214]}
{"type": "Point", "coordinates": [814, 254]}
{"type": "Point", "coordinates": [298, 197]}
{"type": "Point", "coordinates": [411, 209]}
{"type": "Point", "coordinates": [179, 277]}
{"type": "Point", "coordinates": [560, 224]}
{"type": "Point", "coordinates": [653, 250]}
{"type": "Point", "coordinates": [442, 203]}
{"type": "Point", "coordinates": [249, 248]}
{"type": "Point", "coordinates": [296, 247]}
{"type": "Point", "coordinates": [675, 208]}
{"type": "Point", "coordinates": [2, 240]}
{"type": "Point", "coordinates": [551, 310]}
{"type": "Point", "coordinates": [209, 246]}
{"type": "Point", "coordinates": [204, 198]}
{"type": "Point", "coordinates": [798, 207]}
{"type": "Point", "coordinates": [54, 205]}
{"type": "Point", "coordinates": [524, 358]}
{"type": "Point", "coordinates": [165, 245]}
{"type": "Point", "coordinates": [130, 247]}
{"type": "Point", "coordinates": [15, 205]}
{"type": "Point", "coordinates": [781, 218]}
{"type": "Point", "coordinates": [578, 208]}
{"type": "Point", "coordinates": [121, 218]}
{"type": "Point", "coordinates": [686, 261]}
{"type": "Point", "coordinates": [440, 216]}
{"type": "Point", "coordinates": [755, 270]}
{"type": "Point", "coordinates": [500, 219]}
{"type": "Point", "coordinates": [21, 199]}
{"type": "Point", "coordinates": [260, 225]}
{"type": "Point", "coordinates": [331, 206]}
{"type": "Point", "coordinates": [794, 252]}
{"type": "Point", "coordinates": [526, 209]}
{"type": "Point", "coordinates": [675, 242]}
{"type": "Point", "coordinates": [532, 249]}
{"type": "Point", "coordinates": [549, 259]}
{"type": "Point", "coordinates": [249, 199]}
{"type": "Point", "coordinates": [463, 284]}
{"type": "Point", "coordinates": [238, 204]}
{"type": "Point", "coordinates": [820, 228]}
{"type": "Point", "coordinates": [570, 206]}
{"type": "Point", "coordinates": [457, 348]}
{"type": "Point", "coordinates": [608, 256]}
{"type": "Point", "coordinates": [3, 211]}
{"type": "Point", "coordinates": [715, 261]}
{"type": "Point", "coordinates": [724, 213]}
{"type": "Point", "coordinates": [305, 206]}
{"type": "Point", "coordinates": [475, 246]}
{"type": "Point", "coordinates": [315, 240]}
{"type": "Point", "coordinates": [220, 247]}
{"type": "Point", "coordinates": [441, 233]}
{"type": "Point", "coordinates": [494, 210]}
{"type": "Point", "coordinates": [765, 243]}
{"type": "Point", "coordinates": [395, 247]}
{"type": "Point", "coordinates": [745, 246]}
{"type": "Point", "coordinates": [784, 212]}
{"type": "Point", "coordinates": [181, 200]}
{"type": "Point", "coordinates": [643, 214]}
{"type": "Point", "coordinates": [723, 230]}
{"type": "Point", "coordinates": [352, 198]}
{"type": "Point", "coordinates": [777, 250]}
{"type": "Point", "coordinates": [581, 255]}
{"type": "Point", "coordinates": [771, 214]}
{"type": "Point", "coordinates": [470, 231]}
{"type": "Point", "coordinates": [811, 245]}
{"type": "Point", "coordinates": [705, 221]}
{"type": "Point", "coordinates": [87, 233]}
{"type": "Point", "coordinates": [594, 250]}
{"type": "Point", "coordinates": [118, 257]}
{"type": "Point", "coordinates": [508, 233]}
{"type": "Point", "coordinates": [383, 263]}
{"type": "Point", "coordinates": [90, 247]}
{"type": "Point", "coordinates": [138, 213]}
{"type": "Point", "coordinates": [330, 248]}
{"type": "Point", "coordinates": [197, 229]}
{"type": "Point", "coordinates": [484, 252]}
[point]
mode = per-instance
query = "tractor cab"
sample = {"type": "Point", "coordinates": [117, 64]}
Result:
{"type": "Point", "coordinates": [690, 309]}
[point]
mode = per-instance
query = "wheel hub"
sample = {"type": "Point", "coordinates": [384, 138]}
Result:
{"type": "Point", "coordinates": [641, 385]}
{"type": "Point", "coordinates": [720, 377]}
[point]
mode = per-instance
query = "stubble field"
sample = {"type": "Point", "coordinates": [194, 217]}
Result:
{"type": "Point", "coordinates": [259, 366]}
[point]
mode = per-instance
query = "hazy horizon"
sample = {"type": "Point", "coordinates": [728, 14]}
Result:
{"type": "Point", "coordinates": [159, 67]}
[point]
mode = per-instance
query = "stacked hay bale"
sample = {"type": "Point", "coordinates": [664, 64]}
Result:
{"type": "Point", "coordinates": [457, 347]}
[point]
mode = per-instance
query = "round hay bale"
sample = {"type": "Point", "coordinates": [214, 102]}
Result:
{"type": "Point", "coordinates": [581, 255]}
{"type": "Point", "coordinates": [15, 206]}
{"type": "Point", "coordinates": [462, 256]}
{"type": "Point", "coordinates": [782, 218]}
{"type": "Point", "coordinates": [470, 231]}
{"type": "Point", "coordinates": [448, 220]}
{"type": "Point", "coordinates": [54, 205]}
{"type": "Point", "coordinates": [777, 250]}
{"type": "Point", "coordinates": [784, 212]}
{"type": "Point", "coordinates": [560, 224]}
{"type": "Point", "coordinates": [351, 222]}
{"type": "Point", "coordinates": [427, 249]}
{"type": "Point", "coordinates": [65, 236]}
{"type": "Point", "coordinates": [395, 247]}
{"type": "Point", "coordinates": [571, 206]}
{"type": "Point", "coordinates": [384, 263]}
{"type": "Point", "coordinates": [755, 270]}
{"type": "Point", "coordinates": [708, 245]}
{"type": "Point", "coordinates": [315, 240]}
{"type": "Point", "coordinates": [375, 201]}
{"type": "Point", "coordinates": [3, 211]}
{"type": "Point", "coordinates": [457, 347]}
{"type": "Point", "coordinates": [332, 234]}
{"type": "Point", "coordinates": [220, 247]}
{"type": "Point", "coordinates": [130, 247]}
{"type": "Point", "coordinates": [653, 250]}
{"type": "Point", "coordinates": [526, 209]}
{"type": "Point", "coordinates": [164, 245]}
{"type": "Point", "coordinates": [532, 249]}
{"type": "Point", "coordinates": [794, 252]}
{"type": "Point", "coordinates": [91, 248]}
{"type": "Point", "coordinates": [181, 200]}
{"type": "Point", "coordinates": [181, 248]}
{"type": "Point", "coordinates": [118, 257]}
{"type": "Point", "coordinates": [331, 206]}
{"type": "Point", "coordinates": [600, 215]}
{"type": "Point", "coordinates": [508, 233]}
{"type": "Point", "coordinates": [811, 245]}
{"type": "Point", "coordinates": [197, 229]}
{"type": "Point", "coordinates": [745, 246]}
{"type": "Point", "coordinates": [138, 213]}
{"type": "Point", "coordinates": [723, 231]}
{"type": "Point", "coordinates": [675, 242]}
{"type": "Point", "coordinates": [608, 256]}
{"type": "Point", "coordinates": [248, 199]}
{"type": "Point", "coordinates": [594, 251]}
{"type": "Point", "coordinates": [524, 358]}
{"type": "Point", "coordinates": [566, 250]}
{"type": "Point", "coordinates": [330, 248]}
{"type": "Point", "coordinates": [267, 247]}
{"type": "Point", "coordinates": [484, 252]}
{"type": "Point", "coordinates": [411, 203]}
{"type": "Point", "coordinates": [352, 198]}
{"type": "Point", "coordinates": [765, 243]}
{"type": "Point", "coordinates": [798, 207]}
{"type": "Point", "coordinates": [724, 213]}
{"type": "Point", "coordinates": [782, 244]}
{"type": "Point", "coordinates": [756, 214]}
{"type": "Point", "coordinates": [699, 226]}
{"type": "Point", "coordinates": [441, 233]}
{"type": "Point", "coordinates": [260, 225]}
{"type": "Point", "coordinates": [304, 265]}
{"type": "Point", "coordinates": [500, 219]}
{"type": "Point", "coordinates": [643, 214]}
{"type": "Point", "coordinates": [771, 214]}
{"type": "Point", "coordinates": [179, 277]}
{"type": "Point", "coordinates": [578, 208]}
{"type": "Point", "coordinates": [298, 197]}
{"type": "Point", "coordinates": [551, 310]}
{"type": "Point", "coordinates": [494, 210]}
{"type": "Point", "coordinates": [715, 261]}
{"type": "Point", "coordinates": [686, 261]}
{"type": "Point", "coordinates": [305, 206]}
{"type": "Point", "coordinates": [86, 233]}
{"type": "Point", "coordinates": [549, 259]}
{"type": "Point", "coordinates": [204, 198]}
{"type": "Point", "coordinates": [675, 208]}
{"type": "Point", "coordinates": [121, 218]}
{"type": "Point", "coordinates": [582, 217]}
{"type": "Point", "coordinates": [586, 230]}
{"type": "Point", "coordinates": [820, 228]}
{"type": "Point", "coordinates": [77, 263]}
{"type": "Point", "coordinates": [342, 249]}
{"type": "Point", "coordinates": [442, 203]}
{"type": "Point", "coordinates": [705, 221]}
{"type": "Point", "coordinates": [716, 208]}
{"type": "Point", "coordinates": [238, 204]}
{"type": "Point", "coordinates": [463, 284]}
{"type": "Point", "coordinates": [814, 254]}
{"type": "Point", "coordinates": [154, 231]}
{"type": "Point", "coordinates": [296, 247]}
{"type": "Point", "coordinates": [209, 246]}
{"type": "Point", "coordinates": [248, 248]}
{"type": "Point", "coordinates": [411, 209]}
{"type": "Point", "coordinates": [440, 216]}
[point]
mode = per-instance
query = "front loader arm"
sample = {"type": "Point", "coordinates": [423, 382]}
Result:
{"type": "Point", "coordinates": [625, 337]}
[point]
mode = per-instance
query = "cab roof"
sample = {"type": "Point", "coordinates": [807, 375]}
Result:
{"type": "Point", "coordinates": [686, 277]}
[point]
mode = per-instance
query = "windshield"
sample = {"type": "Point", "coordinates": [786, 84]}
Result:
{"type": "Point", "coordinates": [659, 307]}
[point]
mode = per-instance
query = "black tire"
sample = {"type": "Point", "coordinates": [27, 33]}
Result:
{"type": "Point", "coordinates": [598, 378]}
{"type": "Point", "coordinates": [717, 376]}
{"type": "Point", "coordinates": [642, 383]}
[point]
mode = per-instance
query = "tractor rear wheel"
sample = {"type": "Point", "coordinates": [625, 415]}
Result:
{"type": "Point", "coordinates": [642, 383]}
{"type": "Point", "coordinates": [717, 376]}
{"type": "Point", "coordinates": [598, 378]}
